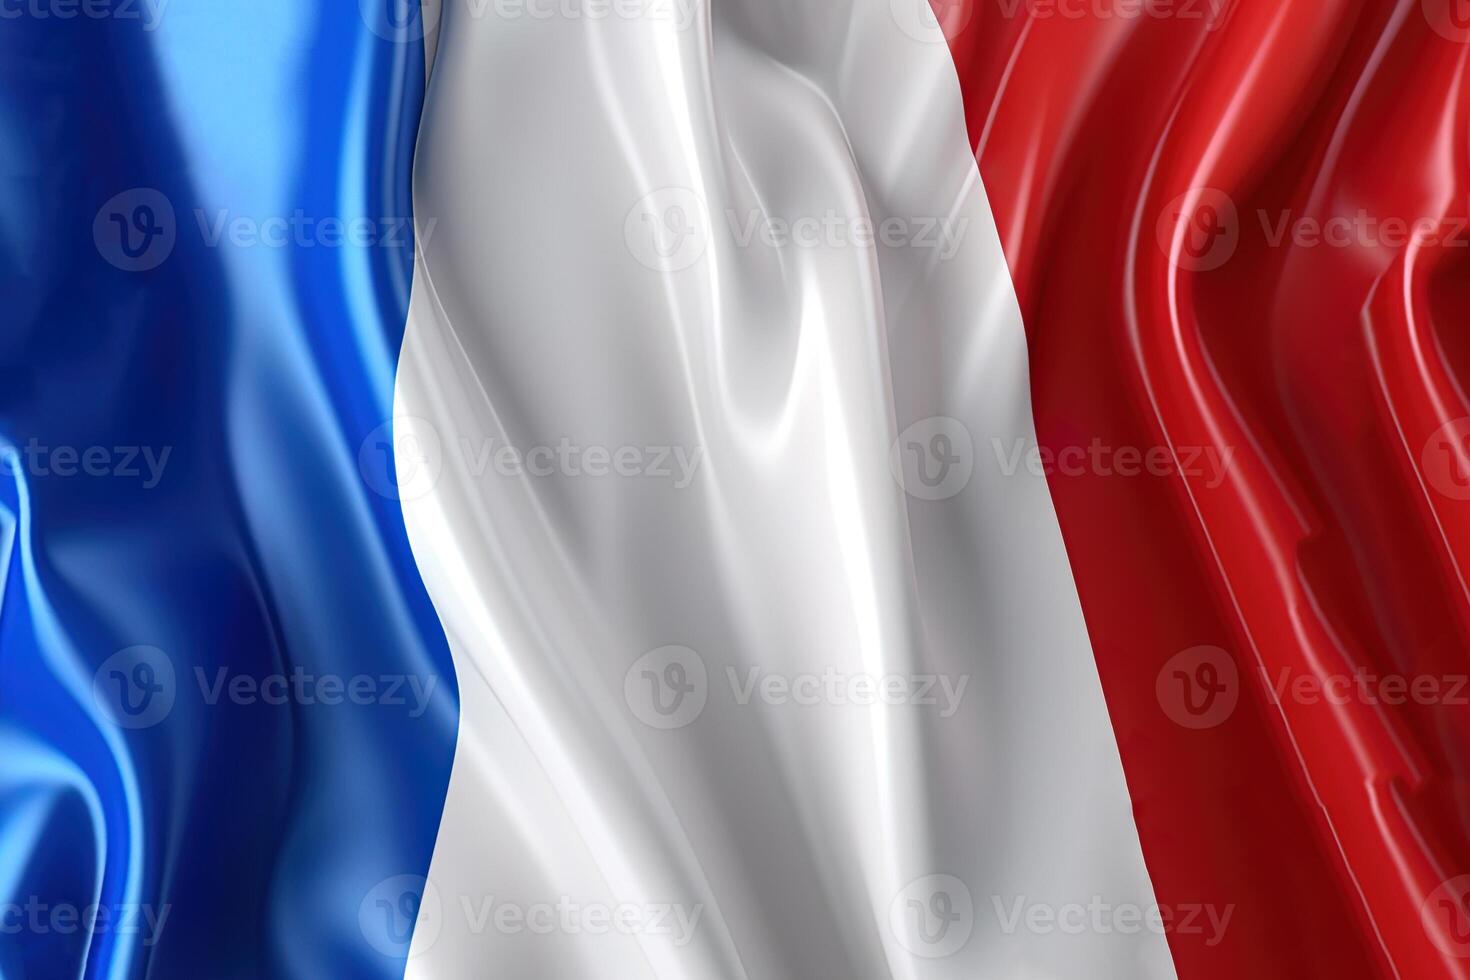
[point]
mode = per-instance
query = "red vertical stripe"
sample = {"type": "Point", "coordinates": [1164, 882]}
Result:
{"type": "Point", "coordinates": [1240, 234]}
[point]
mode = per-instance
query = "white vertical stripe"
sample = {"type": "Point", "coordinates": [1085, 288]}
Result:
{"type": "Point", "coordinates": [786, 834]}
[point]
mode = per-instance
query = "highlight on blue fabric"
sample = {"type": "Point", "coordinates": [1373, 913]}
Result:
{"type": "Point", "coordinates": [227, 709]}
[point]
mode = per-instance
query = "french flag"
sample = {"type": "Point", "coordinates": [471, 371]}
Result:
{"type": "Point", "coordinates": [704, 489]}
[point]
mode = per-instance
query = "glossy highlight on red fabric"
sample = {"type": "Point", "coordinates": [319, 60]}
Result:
{"type": "Point", "coordinates": [1239, 228]}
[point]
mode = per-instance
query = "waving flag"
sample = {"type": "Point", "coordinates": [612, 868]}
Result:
{"type": "Point", "coordinates": [727, 488]}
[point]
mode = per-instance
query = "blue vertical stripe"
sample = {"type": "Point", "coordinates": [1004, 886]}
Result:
{"type": "Point", "coordinates": [227, 710]}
